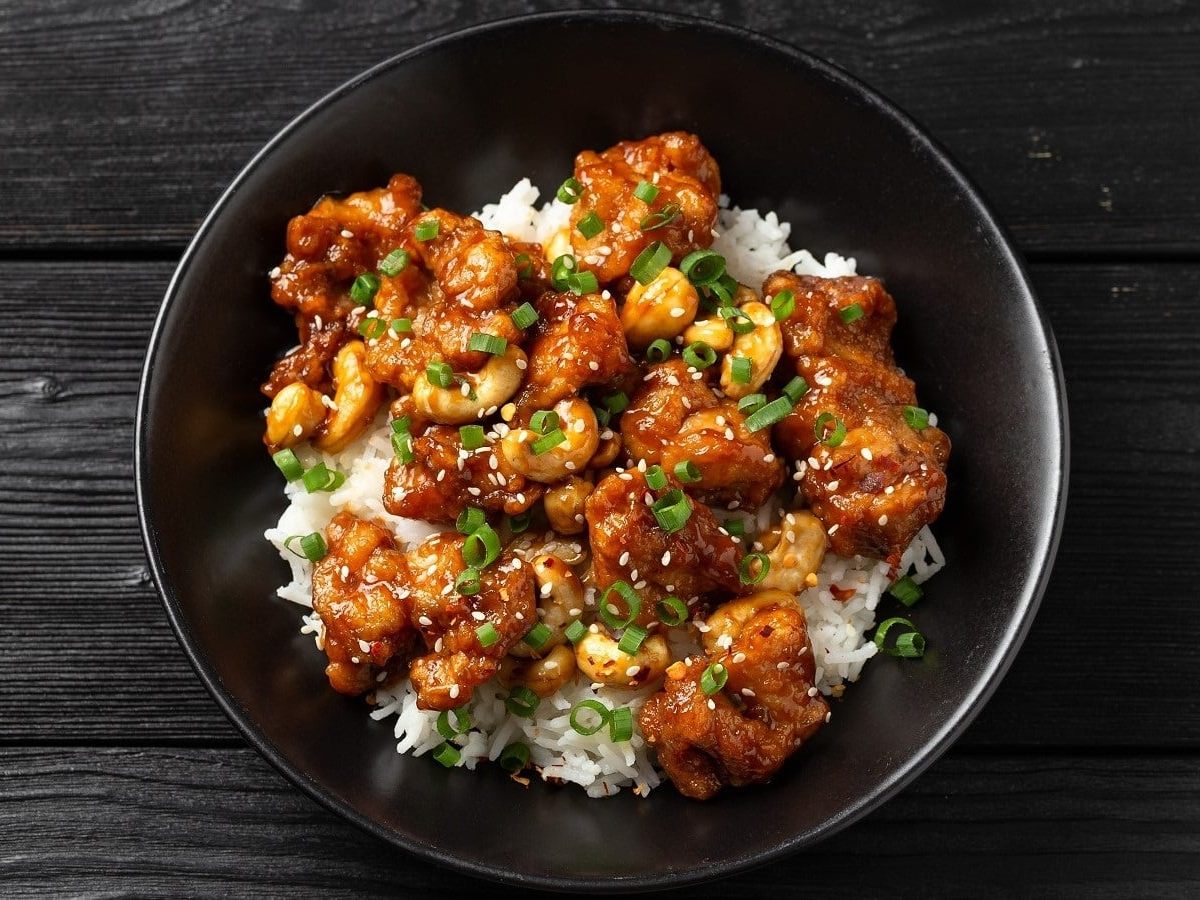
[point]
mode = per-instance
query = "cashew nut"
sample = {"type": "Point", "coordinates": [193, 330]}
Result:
{"type": "Point", "coordinates": [607, 451]}
{"type": "Point", "coordinates": [799, 547]}
{"type": "Point", "coordinates": [661, 309]}
{"type": "Point", "coordinates": [564, 505]}
{"type": "Point", "coordinates": [470, 397]}
{"type": "Point", "coordinates": [557, 244]}
{"type": "Point", "coordinates": [581, 437]}
{"type": "Point", "coordinates": [763, 346]}
{"type": "Point", "coordinates": [542, 676]}
{"type": "Point", "coordinates": [295, 413]}
{"type": "Point", "coordinates": [356, 399]}
{"type": "Point", "coordinates": [726, 621]}
{"type": "Point", "coordinates": [714, 331]}
{"type": "Point", "coordinates": [560, 599]}
{"type": "Point", "coordinates": [601, 660]}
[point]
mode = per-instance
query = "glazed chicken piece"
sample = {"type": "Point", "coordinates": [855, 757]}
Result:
{"type": "Point", "coordinates": [577, 342]}
{"type": "Point", "coordinates": [473, 266]}
{"type": "Point", "coordinates": [666, 396]}
{"type": "Point", "coordinates": [444, 479]}
{"type": "Point", "coordinates": [449, 621]}
{"type": "Point", "coordinates": [743, 733]}
{"type": "Point", "coordinates": [883, 482]}
{"type": "Point", "coordinates": [629, 545]}
{"type": "Point", "coordinates": [358, 590]}
{"type": "Point", "coordinates": [682, 214]}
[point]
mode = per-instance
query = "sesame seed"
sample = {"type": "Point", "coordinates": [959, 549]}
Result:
{"type": "Point", "coordinates": [866, 453]}
{"type": "Point", "coordinates": [478, 616]}
{"type": "Point", "coordinates": [769, 458]}
{"type": "Point", "coordinates": [666, 558]}
{"type": "Point", "coordinates": [454, 692]}
{"type": "Point", "coordinates": [676, 312]}
{"type": "Point", "coordinates": [632, 671]}
{"type": "Point", "coordinates": [521, 364]}
{"type": "Point", "coordinates": [883, 520]}
{"type": "Point", "coordinates": [832, 528]}
{"type": "Point", "coordinates": [275, 272]}
{"type": "Point", "coordinates": [425, 620]}
{"type": "Point", "coordinates": [624, 558]}
{"type": "Point", "coordinates": [712, 704]}
{"type": "Point", "coordinates": [347, 233]}
{"type": "Point", "coordinates": [833, 485]}
{"type": "Point", "coordinates": [738, 657]}
{"type": "Point", "coordinates": [297, 430]}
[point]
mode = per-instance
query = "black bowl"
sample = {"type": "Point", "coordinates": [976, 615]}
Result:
{"type": "Point", "coordinates": [468, 115]}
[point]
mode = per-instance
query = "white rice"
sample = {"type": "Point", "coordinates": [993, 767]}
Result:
{"type": "Point", "coordinates": [753, 245]}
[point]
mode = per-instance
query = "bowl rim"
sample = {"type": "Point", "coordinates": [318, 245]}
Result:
{"type": "Point", "coordinates": [933, 747]}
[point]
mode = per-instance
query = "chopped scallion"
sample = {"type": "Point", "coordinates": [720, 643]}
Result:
{"type": "Point", "coordinates": [658, 351]}
{"type": "Point", "coordinates": [751, 403]}
{"type": "Point", "coordinates": [426, 230]}
{"type": "Point", "coordinates": [749, 573]}
{"type": "Point", "coordinates": [447, 755]}
{"type": "Point", "coordinates": [620, 724]}
{"type": "Point", "coordinates": [453, 722]}
{"type": "Point", "coordinates": [656, 478]}
{"type": "Point", "coordinates": [394, 263]}
{"type": "Point", "coordinates": [467, 584]}
{"type": "Point", "coordinates": [472, 437]}
{"type": "Point", "coordinates": [672, 611]}
{"type": "Point", "coordinates": [514, 757]}
{"type": "Point", "coordinates": [631, 640]}
{"type": "Point", "coordinates": [795, 389]}
{"type": "Point", "coordinates": [537, 636]}
{"type": "Point", "coordinates": [699, 355]}
{"type": "Point", "coordinates": [522, 702]}
{"type": "Point", "coordinates": [312, 546]}
{"type": "Point", "coordinates": [610, 612]}
{"type": "Point", "coordinates": [363, 290]}
{"type": "Point", "coordinates": [561, 269]}
{"type": "Point", "coordinates": [590, 225]}
{"type": "Point", "coordinates": [672, 510]}
{"type": "Point", "coordinates": [835, 436]}
{"type": "Point", "coordinates": [916, 417]}
{"type": "Point", "coordinates": [768, 414]}
{"type": "Point", "coordinates": [650, 262]}
{"type": "Point", "coordinates": [783, 305]}
{"type": "Point", "coordinates": [439, 374]}
{"type": "Point", "coordinates": [578, 719]}
{"type": "Point", "coordinates": [548, 441]}
{"type": "Point", "coordinates": [910, 644]}
{"type": "Point", "coordinates": [401, 325]}
{"type": "Point", "coordinates": [703, 267]}
{"type": "Point", "coordinates": [580, 283]}
{"type": "Point", "coordinates": [487, 635]}
{"type": "Point", "coordinates": [481, 548]}
{"type": "Point", "coordinates": [487, 343]}
{"type": "Point", "coordinates": [524, 316]}
{"type": "Point", "coordinates": [575, 631]}
{"type": "Point", "coordinates": [851, 313]}
{"type": "Point", "coordinates": [687, 472]}
{"type": "Point", "coordinates": [740, 368]}
{"type": "Point", "coordinates": [286, 462]}
{"type": "Point", "coordinates": [713, 679]}
{"type": "Point", "coordinates": [372, 328]}
{"type": "Point", "coordinates": [906, 591]}
{"type": "Point", "coordinates": [469, 520]}
{"type": "Point", "coordinates": [645, 191]}
{"type": "Point", "coordinates": [570, 191]}
{"type": "Point", "coordinates": [661, 219]}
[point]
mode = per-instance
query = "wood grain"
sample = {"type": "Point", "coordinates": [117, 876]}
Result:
{"type": "Point", "coordinates": [185, 822]}
{"type": "Point", "coordinates": [86, 654]}
{"type": "Point", "coordinates": [120, 124]}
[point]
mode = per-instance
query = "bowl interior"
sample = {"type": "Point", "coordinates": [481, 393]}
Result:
{"type": "Point", "coordinates": [469, 116]}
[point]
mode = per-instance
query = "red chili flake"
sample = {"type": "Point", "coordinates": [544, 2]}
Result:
{"type": "Point", "coordinates": [841, 594]}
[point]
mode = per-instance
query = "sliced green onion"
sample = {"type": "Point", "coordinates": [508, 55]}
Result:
{"type": "Point", "coordinates": [795, 389]}
{"type": "Point", "coordinates": [603, 416]}
{"type": "Point", "coordinates": [524, 316]}
{"type": "Point", "coordinates": [590, 225]}
{"type": "Point", "coordinates": [580, 283]}
{"type": "Point", "coordinates": [487, 343]}
{"type": "Point", "coordinates": [672, 510]}
{"type": "Point", "coordinates": [524, 265]}
{"type": "Point", "coordinates": [724, 288]}
{"type": "Point", "coordinates": [569, 191]}
{"type": "Point", "coordinates": [461, 724]}
{"type": "Point", "coordinates": [737, 319]}
{"type": "Point", "coordinates": [286, 462]}
{"type": "Point", "coordinates": [713, 679]}
{"type": "Point", "coordinates": [481, 548]}
{"type": "Point", "coordinates": [372, 328]}
{"type": "Point", "coordinates": [575, 631]}
{"type": "Point", "coordinates": [916, 418]}
{"type": "Point", "coordinates": [661, 219]}
{"type": "Point", "coordinates": [401, 325]}
{"type": "Point", "coordinates": [752, 403]}
{"type": "Point", "coordinates": [671, 611]}
{"type": "Point", "coordinates": [472, 437]}
{"type": "Point", "coordinates": [703, 267]}
{"type": "Point", "coordinates": [851, 313]}
{"type": "Point", "coordinates": [911, 644]}
{"type": "Point", "coordinates": [768, 414]}
{"type": "Point", "coordinates": [447, 755]}
{"type": "Point", "coordinates": [548, 441]}
{"type": "Point", "coordinates": [699, 355]}
{"type": "Point", "coordinates": [401, 425]}
{"type": "Point", "coordinates": [735, 527]}
{"type": "Point", "coordinates": [469, 520]}
{"type": "Point", "coordinates": [783, 305]}
{"type": "Point", "coordinates": [645, 191]}
{"type": "Point", "coordinates": [321, 478]}
{"type": "Point", "coordinates": [426, 230]}
{"type": "Point", "coordinates": [439, 374]}
{"type": "Point", "coordinates": [740, 368]}
{"type": "Point", "coordinates": [312, 546]}
{"type": "Point", "coordinates": [617, 403]}
{"type": "Point", "coordinates": [620, 724]}
{"type": "Point", "coordinates": [650, 262]}
{"type": "Point", "coordinates": [687, 472]}
{"type": "Point", "coordinates": [594, 706]}
{"type": "Point", "coordinates": [522, 702]}
{"type": "Point", "coordinates": [746, 571]}
{"type": "Point", "coordinates": [836, 436]}
{"type": "Point", "coordinates": [631, 641]}
{"type": "Point", "coordinates": [362, 291]}
{"type": "Point", "coordinates": [514, 757]}
{"type": "Point", "coordinates": [906, 591]}
{"type": "Point", "coordinates": [658, 351]}
{"type": "Point", "coordinates": [519, 522]}
{"type": "Point", "coordinates": [656, 478]}
{"type": "Point", "coordinates": [537, 636]}
{"type": "Point", "coordinates": [394, 263]}
{"type": "Point", "coordinates": [487, 635]}
{"type": "Point", "coordinates": [467, 584]}
{"type": "Point", "coordinates": [402, 444]}
{"type": "Point", "coordinates": [561, 269]}
{"type": "Point", "coordinates": [610, 613]}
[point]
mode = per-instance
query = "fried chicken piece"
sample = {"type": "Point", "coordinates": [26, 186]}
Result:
{"type": "Point", "coordinates": [450, 621]}
{"type": "Point", "coordinates": [682, 215]}
{"type": "Point", "coordinates": [474, 267]}
{"type": "Point", "coordinates": [308, 363]}
{"type": "Point", "coordinates": [738, 468]}
{"type": "Point", "coordinates": [743, 733]}
{"type": "Point", "coordinates": [665, 397]}
{"type": "Point", "coordinates": [886, 480]}
{"type": "Point", "coordinates": [358, 590]}
{"type": "Point", "coordinates": [629, 545]}
{"type": "Point", "coordinates": [577, 342]}
{"type": "Point", "coordinates": [444, 479]}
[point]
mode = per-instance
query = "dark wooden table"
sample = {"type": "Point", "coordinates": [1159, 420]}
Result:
{"type": "Point", "coordinates": [121, 123]}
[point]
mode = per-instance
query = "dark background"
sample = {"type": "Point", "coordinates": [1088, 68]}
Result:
{"type": "Point", "coordinates": [120, 124]}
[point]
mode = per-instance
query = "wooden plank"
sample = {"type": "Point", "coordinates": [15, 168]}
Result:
{"type": "Point", "coordinates": [222, 822]}
{"type": "Point", "coordinates": [119, 131]}
{"type": "Point", "coordinates": [86, 654]}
